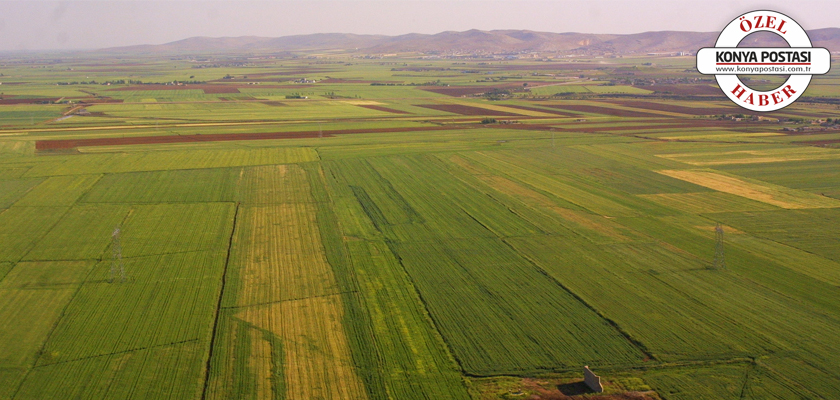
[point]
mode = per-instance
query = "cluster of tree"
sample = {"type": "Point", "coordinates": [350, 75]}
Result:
{"type": "Point", "coordinates": [497, 94]}
{"type": "Point", "coordinates": [129, 82]}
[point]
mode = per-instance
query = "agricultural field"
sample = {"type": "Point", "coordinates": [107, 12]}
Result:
{"type": "Point", "coordinates": [407, 229]}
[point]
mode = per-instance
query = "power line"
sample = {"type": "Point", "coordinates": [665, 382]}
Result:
{"type": "Point", "coordinates": [720, 259]}
{"type": "Point", "coordinates": [117, 266]}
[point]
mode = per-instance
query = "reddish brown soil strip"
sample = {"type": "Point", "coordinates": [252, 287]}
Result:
{"type": "Point", "coordinates": [467, 110]}
{"type": "Point", "coordinates": [679, 109]}
{"type": "Point", "coordinates": [552, 66]}
{"type": "Point", "coordinates": [555, 112]}
{"type": "Point", "coordinates": [819, 142]}
{"type": "Point", "coordinates": [98, 100]}
{"type": "Point", "coordinates": [709, 124]}
{"type": "Point", "coordinates": [119, 141]}
{"type": "Point", "coordinates": [28, 101]}
{"type": "Point", "coordinates": [685, 90]}
{"type": "Point", "coordinates": [605, 111]}
{"type": "Point", "coordinates": [808, 133]}
{"type": "Point", "coordinates": [458, 91]}
{"type": "Point", "coordinates": [385, 109]}
{"type": "Point", "coordinates": [337, 80]}
{"type": "Point", "coordinates": [275, 103]}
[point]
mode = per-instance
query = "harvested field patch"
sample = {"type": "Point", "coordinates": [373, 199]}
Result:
{"type": "Point", "coordinates": [615, 112]}
{"type": "Point", "coordinates": [385, 109]}
{"type": "Point", "coordinates": [788, 154]}
{"type": "Point", "coordinates": [707, 202]}
{"type": "Point", "coordinates": [73, 143]}
{"type": "Point", "coordinates": [467, 110]}
{"type": "Point", "coordinates": [779, 196]}
{"type": "Point", "coordinates": [281, 257]}
{"type": "Point", "coordinates": [317, 363]}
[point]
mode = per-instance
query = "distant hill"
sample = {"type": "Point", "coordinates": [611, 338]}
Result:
{"type": "Point", "coordinates": [472, 41]}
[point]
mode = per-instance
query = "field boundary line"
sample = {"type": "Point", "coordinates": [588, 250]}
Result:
{"type": "Point", "coordinates": [287, 300]}
{"type": "Point", "coordinates": [219, 304]}
{"type": "Point", "coordinates": [52, 331]}
{"type": "Point", "coordinates": [117, 352]}
{"type": "Point", "coordinates": [636, 343]}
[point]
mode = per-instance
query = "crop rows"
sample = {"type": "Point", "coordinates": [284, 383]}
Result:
{"type": "Point", "coordinates": [177, 186]}
{"type": "Point", "coordinates": [283, 316]}
{"type": "Point", "coordinates": [12, 190]}
{"type": "Point", "coordinates": [476, 281]}
{"type": "Point", "coordinates": [171, 160]}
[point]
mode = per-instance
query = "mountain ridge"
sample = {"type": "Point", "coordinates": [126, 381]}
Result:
{"type": "Point", "coordinates": [473, 41]}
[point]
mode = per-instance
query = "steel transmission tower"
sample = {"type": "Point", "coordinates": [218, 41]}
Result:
{"type": "Point", "coordinates": [720, 260]}
{"type": "Point", "coordinates": [116, 264]}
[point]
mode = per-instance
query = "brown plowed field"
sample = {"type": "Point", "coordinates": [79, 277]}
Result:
{"type": "Point", "coordinates": [820, 142]}
{"type": "Point", "coordinates": [555, 112]}
{"type": "Point", "coordinates": [605, 110]}
{"type": "Point", "coordinates": [693, 124]}
{"type": "Point", "coordinates": [679, 109]}
{"type": "Point", "coordinates": [63, 144]}
{"type": "Point", "coordinates": [550, 66]}
{"type": "Point", "coordinates": [336, 80]}
{"type": "Point", "coordinates": [703, 110]}
{"type": "Point", "coordinates": [467, 110]}
{"type": "Point", "coordinates": [385, 109]}
{"type": "Point", "coordinates": [27, 101]}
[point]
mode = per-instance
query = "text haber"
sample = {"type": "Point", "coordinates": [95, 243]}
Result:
{"type": "Point", "coordinates": [761, 99]}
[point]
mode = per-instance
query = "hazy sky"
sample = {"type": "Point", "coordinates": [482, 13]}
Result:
{"type": "Point", "coordinates": [75, 24]}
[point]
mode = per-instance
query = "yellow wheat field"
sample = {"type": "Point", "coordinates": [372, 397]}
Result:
{"type": "Point", "coordinates": [317, 362]}
{"type": "Point", "coordinates": [776, 195]}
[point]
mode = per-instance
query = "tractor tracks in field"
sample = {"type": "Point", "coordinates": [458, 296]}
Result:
{"type": "Point", "coordinates": [219, 305]}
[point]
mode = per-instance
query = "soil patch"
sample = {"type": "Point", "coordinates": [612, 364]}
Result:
{"type": "Point", "coordinates": [336, 80]}
{"type": "Point", "coordinates": [555, 112]}
{"type": "Point", "coordinates": [42, 100]}
{"type": "Point", "coordinates": [606, 111]}
{"type": "Point", "coordinates": [680, 109]}
{"type": "Point", "coordinates": [385, 109]}
{"type": "Point", "coordinates": [118, 141]}
{"type": "Point", "coordinates": [467, 110]}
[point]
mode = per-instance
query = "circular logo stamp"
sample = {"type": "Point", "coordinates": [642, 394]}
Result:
{"type": "Point", "coordinates": [800, 61]}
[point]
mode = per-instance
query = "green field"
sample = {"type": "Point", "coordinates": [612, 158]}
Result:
{"type": "Point", "coordinates": [378, 241]}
